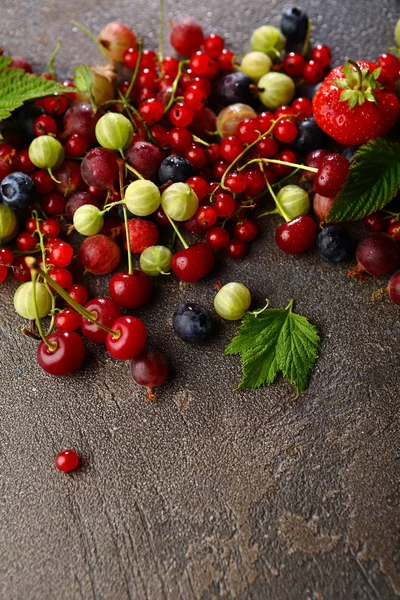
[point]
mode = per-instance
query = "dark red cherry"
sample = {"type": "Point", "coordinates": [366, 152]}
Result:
{"type": "Point", "coordinates": [297, 235]}
{"type": "Point", "coordinates": [130, 290]}
{"type": "Point", "coordinates": [67, 356]}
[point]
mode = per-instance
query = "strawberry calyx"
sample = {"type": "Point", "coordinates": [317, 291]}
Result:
{"type": "Point", "coordinates": [358, 84]}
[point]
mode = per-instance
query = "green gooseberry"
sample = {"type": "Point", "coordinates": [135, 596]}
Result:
{"type": "Point", "coordinates": [255, 65]}
{"type": "Point", "coordinates": [88, 220]}
{"type": "Point", "coordinates": [276, 89]}
{"type": "Point", "coordinates": [142, 197]}
{"type": "Point", "coordinates": [114, 131]}
{"type": "Point", "coordinates": [294, 201]}
{"type": "Point", "coordinates": [179, 201]}
{"type": "Point", "coordinates": [268, 39]}
{"type": "Point", "coordinates": [156, 260]}
{"type": "Point", "coordinates": [46, 152]}
{"type": "Point", "coordinates": [8, 224]}
{"type": "Point", "coordinates": [24, 302]}
{"type": "Point", "coordinates": [232, 301]}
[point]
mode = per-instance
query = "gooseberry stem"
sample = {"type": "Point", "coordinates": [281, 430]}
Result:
{"type": "Point", "coordinates": [35, 271]}
{"type": "Point", "coordinates": [138, 175]}
{"type": "Point", "coordinates": [178, 233]}
{"type": "Point", "coordinates": [125, 212]}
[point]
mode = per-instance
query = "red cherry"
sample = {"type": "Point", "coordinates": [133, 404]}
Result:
{"type": "Point", "coordinates": [105, 311]}
{"type": "Point", "coordinates": [217, 238]}
{"type": "Point", "coordinates": [194, 263]}
{"type": "Point", "coordinates": [130, 290]}
{"type": "Point", "coordinates": [66, 358]}
{"type": "Point", "coordinates": [131, 340]}
{"type": "Point", "coordinates": [67, 460]}
{"type": "Point", "coordinates": [297, 235]}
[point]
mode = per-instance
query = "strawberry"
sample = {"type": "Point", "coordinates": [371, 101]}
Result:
{"type": "Point", "coordinates": [356, 103]}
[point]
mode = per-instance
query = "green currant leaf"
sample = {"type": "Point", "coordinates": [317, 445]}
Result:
{"type": "Point", "coordinates": [373, 181]}
{"type": "Point", "coordinates": [83, 78]}
{"type": "Point", "coordinates": [273, 341]}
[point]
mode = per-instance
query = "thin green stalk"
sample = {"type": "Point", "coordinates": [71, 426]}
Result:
{"type": "Point", "coordinates": [138, 175]}
{"type": "Point", "coordinates": [102, 48]}
{"type": "Point", "coordinates": [51, 346]}
{"type": "Point", "coordinates": [175, 86]}
{"type": "Point", "coordinates": [278, 204]}
{"type": "Point", "coordinates": [50, 64]}
{"type": "Point", "coordinates": [178, 233]}
{"type": "Point", "coordinates": [125, 212]}
{"type": "Point", "coordinates": [135, 72]}
{"type": "Point", "coordinates": [199, 140]}
{"type": "Point", "coordinates": [279, 183]}
{"type": "Point", "coordinates": [161, 31]}
{"type": "Point", "coordinates": [274, 161]}
{"type": "Point", "coordinates": [43, 252]}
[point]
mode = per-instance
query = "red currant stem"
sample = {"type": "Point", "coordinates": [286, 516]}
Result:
{"type": "Point", "coordinates": [178, 233]}
{"type": "Point", "coordinates": [274, 161]}
{"type": "Point", "coordinates": [121, 165]}
{"type": "Point", "coordinates": [31, 263]}
{"type": "Point", "coordinates": [135, 72]}
{"type": "Point", "coordinates": [52, 176]}
{"type": "Point", "coordinates": [138, 175]}
{"type": "Point", "coordinates": [53, 57]}
{"type": "Point", "coordinates": [389, 213]}
{"type": "Point", "coordinates": [278, 205]}
{"type": "Point", "coordinates": [93, 38]}
{"type": "Point", "coordinates": [131, 108]}
{"type": "Point", "coordinates": [24, 253]}
{"type": "Point", "coordinates": [175, 85]}
{"type": "Point", "coordinates": [161, 20]}
{"type": "Point", "coordinates": [51, 345]}
{"type": "Point", "coordinates": [307, 39]}
{"type": "Point", "coordinates": [279, 183]}
{"type": "Point", "coordinates": [199, 140]}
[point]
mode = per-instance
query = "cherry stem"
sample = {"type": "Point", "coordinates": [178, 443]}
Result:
{"type": "Point", "coordinates": [135, 72]}
{"type": "Point", "coordinates": [274, 161]}
{"type": "Point", "coordinates": [178, 233]}
{"type": "Point", "coordinates": [35, 271]}
{"type": "Point", "coordinates": [278, 204]}
{"type": "Point", "coordinates": [51, 345]}
{"type": "Point", "coordinates": [121, 165]}
{"type": "Point", "coordinates": [138, 175]}
{"type": "Point", "coordinates": [292, 174]}
{"type": "Point", "coordinates": [43, 252]}
{"type": "Point", "coordinates": [93, 38]}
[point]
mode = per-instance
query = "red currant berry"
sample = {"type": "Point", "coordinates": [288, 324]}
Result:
{"type": "Point", "coordinates": [283, 170]}
{"type": "Point", "coordinates": [195, 96]}
{"type": "Point", "coordinates": [78, 292]}
{"type": "Point", "coordinates": [225, 205]}
{"type": "Point", "coordinates": [195, 154]}
{"type": "Point", "coordinates": [202, 64]}
{"type": "Point", "coordinates": [76, 145]}
{"type": "Point", "coordinates": [302, 108]}
{"type": "Point", "coordinates": [179, 138]}
{"type": "Point", "coordinates": [297, 235]}
{"type": "Point", "coordinates": [26, 241]}
{"type": "Point", "coordinates": [322, 55]}
{"type": "Point", "coordinates": [105, 311]}
{"type": "Point", "coordinates": [285, 131]}
{"type": "Point", "coordinates": [180, 115]}
{"type": "Point", "coordinates": [230, 148]}
{"type": "Point", "coordinates": [293, 64]}
{"type": "Point", "coordinates": [53, 204]}
{"type": "Point", "coordinates": [23, 163]}
{"type": "Point", "coordinates": [236, 249]}
{"type": "Point", "coordinates": [267, 147]}
{"type": "Point", "coordinates": [248, 131]}
{"type": "Point", "coordinates": [389, 63]}
{"type": "Point", "coordinates": [67, 320]}
{"type": "Point", "coordinates": [43, 182]}
{"type": "Point", "coordinates": [206, 216]}
{"type": "Point", "coordinates": [313, 72]}
{"type": "Point", "coordinates": [170, 66]}
{"type": "Point", "coordinates": [67, 460]}
{"type": "Point", "coordinates": [20, 269]}
{"type": "Point", "coordinates": [56, 105]}
{"type": "Point", "coordinates": [44, 125]}
{"type": "Point", "coordinates": [226, 60]}
{"type": "Point", "coordinates": [199, 186]}
{"type": "Point", "coordinates": [151, 111]}
{"type": "Point", "coordinates": [236, 182]}
{"type": "Point", "coordinates": [59, 253]}
{"type": "Point", "coordinates": [265, 121]}
{"type": "Point", "coordinates": [213, 45]}
{"type": "Point", "coordinates": [246, 230]}
{"type": "Point", "coordinates": [50, 228]}
{"type": "Point", "coordinates": [61, 276]}
{"type": "Point", "coordinates": [394, 230]}
{"type": "Point", "coordinates": [374, 222]}
{"type": "Point", "coordinates": [217, 238]}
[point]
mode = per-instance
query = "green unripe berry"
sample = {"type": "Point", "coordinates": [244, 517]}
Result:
{"type": "Point", "coordinates": [397, 33]}
{"type": "Point", "coordinates": [294, 201]}
{"type": "Point", "coordinates": [24, 303]}
{"type": "Point", "coordinates": [114, 131]}
{"type": "Point", "coordinates": [179, 201]}
{"type": "Point", "coordinates": [255, 65]}
{"type": "Point", "coordinates": [268, 39]}
{"type": "Point", "coordinates": [276, 89]}
{"type": "Point", "coordinates": [8, 224]}
{"type": "Point", "coordinates": [88, 220]}
{"type": "Point", "coordinates": [156, 260]}
{"type": "Point", "coordinates": [142, 197]}
{"type": "Point", "coordinates": [232, 301]}
{"type": "Point", "coordinates": [46, 152]}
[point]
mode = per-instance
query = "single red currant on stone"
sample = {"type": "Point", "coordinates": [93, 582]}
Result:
{"type": "Point", "coordinates": [67, 460]}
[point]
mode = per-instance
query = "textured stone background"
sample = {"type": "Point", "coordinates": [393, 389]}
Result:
{"type": "Point", "coordinates": [206, 493]}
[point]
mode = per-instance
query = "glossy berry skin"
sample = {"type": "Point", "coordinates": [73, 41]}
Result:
{"type": "Point", "coordinates": [17, 191]}
{"type": "Point", "coordinates": [149, 369]}
{"type": "Point", "coordinates": [374, 222]}
{"type": "Point", "coordinates": [59, 253]}
{"type": "Point", "coordinates": [357, 125]}
{"type": "Point", "coordinates": [322, 54]}
{"type": "Point", "coordinates": [67, 320]}
{"type": "Point", "coordinates": [394, 230]}
{"type": "Point", "coordinates": [378, 254]}
{"type": "Point", "coordinates": [246, 230]}
{"type": "Point", "coordinates": [105, 311]}
{"type": "Point", "coordinates": [233, 88]}
{"type": "Point", "coordinates": [294, 24]}
{"type": "Point", "coordinates": [332, 173]}
{"type": "Point", "coordinates": [175, 169]}
{"type": "Point", "coordinates": [394, 287]}
{"type": "Point", "coordinates": [296, 236]}
{"type": "Point", "coordinates": [186, 37]}
{"type": "Point", "coordinates": [130, 290]}
{"type": "Point", "coordinates": [293, 64]}
{"type": "Point", "coordinates": [131, 341]}
{"type": "Point", "coordinates": [68, 356]}
{"type": "Point", "coordinates": [334, 244]}
{"type": "Point", "coordinates": [313, 72]}
{"type": "Point", "coordinates": [67, 460]}
{"type": "Point", "coordinates": [193, 323]}
{"type": "Point", "coordinates": [99, 254]}
{"type": "Point", "coordinates": [78, 292]}
{"type": "Point", "coordinates": [194, 263]}
{"type": "Point", "coordinates": [236, 249]}
{"type": "Point", "coordinates": [217, 238]}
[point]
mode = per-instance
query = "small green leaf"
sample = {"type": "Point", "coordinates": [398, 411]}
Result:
{"type": "Point", "coordinates": [83, 78]}
{"type": "Point", "coordinates": [375, 74]}
{"type": "Point", "coordinates": [370, 97]}
{"type": "Point", "coordinates": [273, 341]}
{"type": "Point", "coordinates": [346, 95]}
{"type": "Point", "coordinates": [373, 181]}
{"type": "Point", "coordinates": [341, 83]}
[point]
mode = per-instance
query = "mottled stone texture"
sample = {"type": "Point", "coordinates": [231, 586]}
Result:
{"type": "Point", "coordinates": [207, 493]}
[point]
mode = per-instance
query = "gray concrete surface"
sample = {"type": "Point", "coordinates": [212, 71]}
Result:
{"type": "Point", "coordinates": [206, 493]}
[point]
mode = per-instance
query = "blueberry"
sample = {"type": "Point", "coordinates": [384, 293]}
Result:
{"type": "Point", "coordinates": [17, 191]}
{"type": "Point", "coordinates": [310, 137]}
{"type": "Point", "coordinates": [175, 169]}
{"type": "Point", "coordinates": [294, 25]}
{"type": "Point", "coordinates": [233, 88]}
{"type": "Point", "coordinates": [334, 244]}
{"type": "Point", "coordinates": [193, 323]}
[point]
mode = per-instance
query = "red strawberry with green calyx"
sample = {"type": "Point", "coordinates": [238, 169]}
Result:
{"type": "Point", "coordinates": [355, 103]}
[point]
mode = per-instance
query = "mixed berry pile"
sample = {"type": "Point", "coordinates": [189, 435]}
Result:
{"type": "Point", "coordinates": [156, 149]}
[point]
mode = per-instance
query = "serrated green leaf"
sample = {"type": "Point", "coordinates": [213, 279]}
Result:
{"type": "Point", "coordinates": [373, 181]}
{"type": "Point", "coordinates": [16, 87]}
{"type": "Point", "coordinates": [341, 83]}
{"type": "Point", "coordinates": [273, 341]}
{"type": "Point", "coordinates": [83, 78]}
